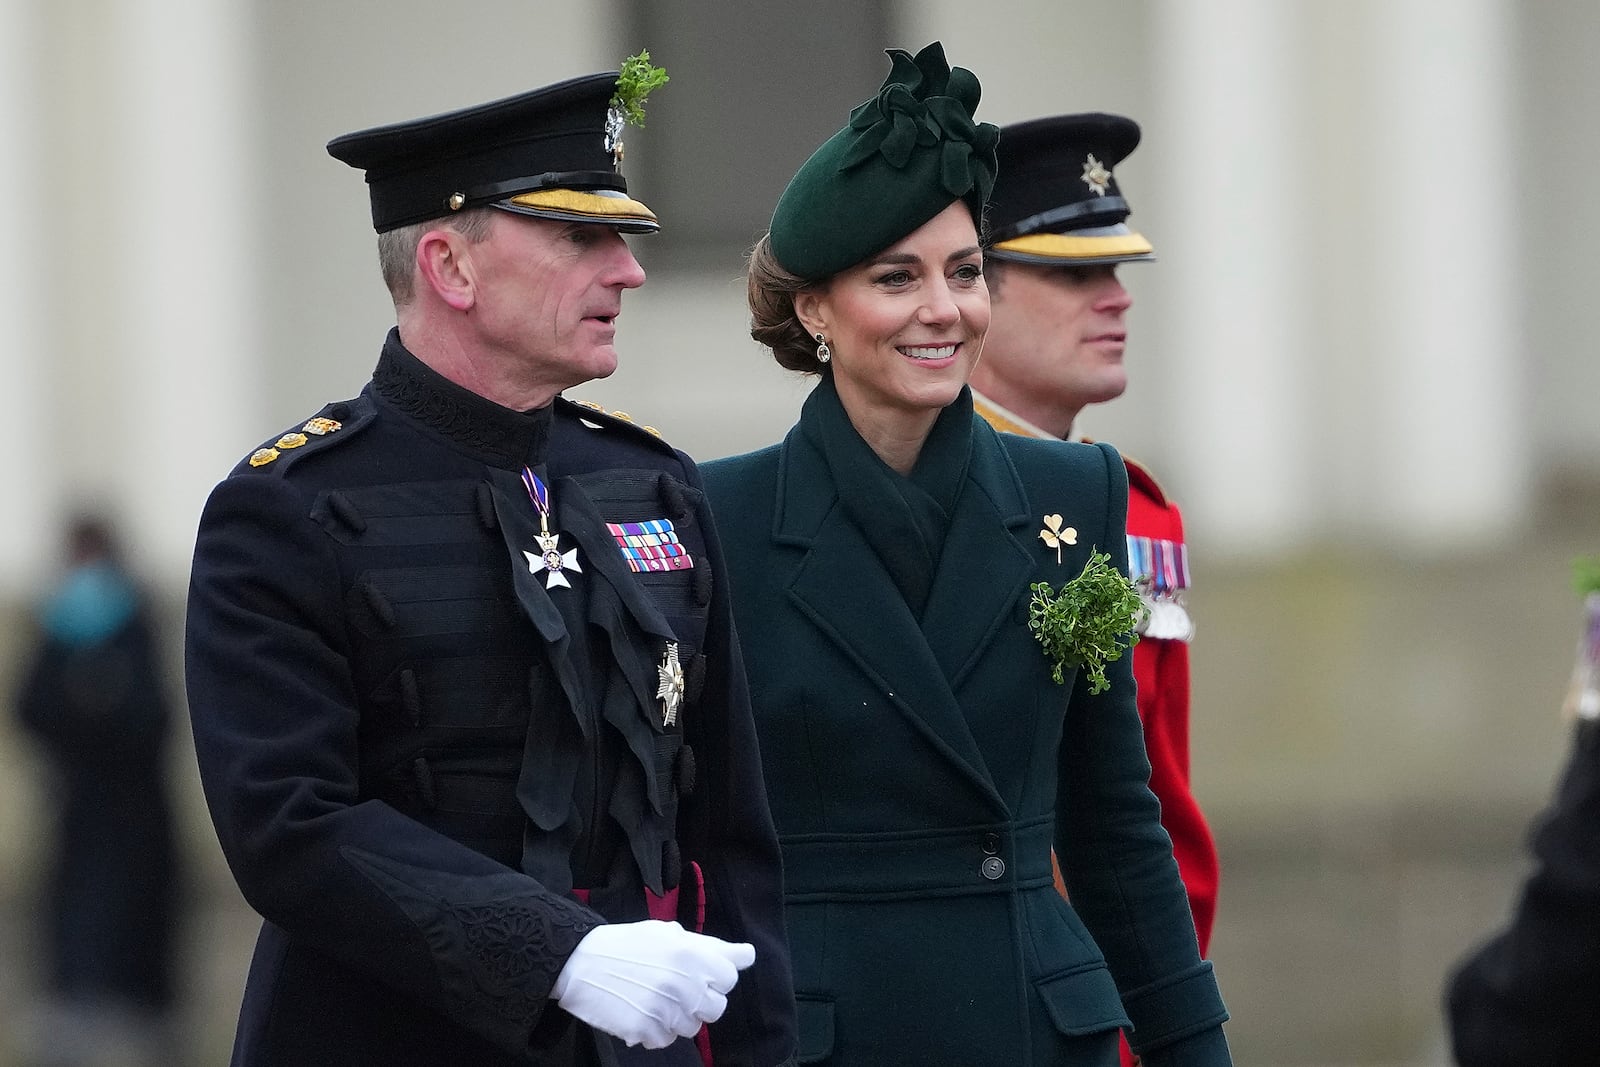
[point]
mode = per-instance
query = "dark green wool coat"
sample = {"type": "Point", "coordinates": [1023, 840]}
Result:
{"type": "Point", "coordinates": [920, 773]}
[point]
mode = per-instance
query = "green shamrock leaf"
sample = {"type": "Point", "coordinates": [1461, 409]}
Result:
{"type": "Point", "coordinates": [1088, 622]}
{"type": "Point", "coordinates": [635, 82]}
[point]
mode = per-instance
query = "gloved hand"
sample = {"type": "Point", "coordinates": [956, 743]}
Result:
{"type": "Point", "coordinates": [650, 983]}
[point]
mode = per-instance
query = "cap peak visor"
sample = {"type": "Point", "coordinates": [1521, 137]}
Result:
{"type": "Point", "coordinates": [604, 207]}
{"type": "Point", "coordinates": [1108, 244]}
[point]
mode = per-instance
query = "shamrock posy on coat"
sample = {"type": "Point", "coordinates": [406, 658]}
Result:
{"type": "Point", "coordinates": [1088, 622]}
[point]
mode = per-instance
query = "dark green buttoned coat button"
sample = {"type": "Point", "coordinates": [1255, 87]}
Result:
{"type": "Point", "coordinates": [993, 868]}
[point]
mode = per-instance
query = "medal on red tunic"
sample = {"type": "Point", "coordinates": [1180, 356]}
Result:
{"type": "Point", "coordinates": [1161, 570]}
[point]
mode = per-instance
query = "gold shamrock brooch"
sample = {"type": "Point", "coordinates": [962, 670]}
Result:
{"type": "Point", "coordinates": [1054, 536]}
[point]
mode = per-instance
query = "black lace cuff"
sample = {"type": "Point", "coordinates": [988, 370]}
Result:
{"type": "Point", "coordinates": [498, 942]}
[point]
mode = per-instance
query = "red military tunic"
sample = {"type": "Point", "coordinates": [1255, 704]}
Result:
{"type": "Point", "coordinates": [1161, 667]}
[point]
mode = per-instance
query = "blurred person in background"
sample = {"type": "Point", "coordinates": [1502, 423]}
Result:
{"type": "Point", "coordinates": [1057, 332]}
{"type": "Point", "coordinates": [1529, 994]}
{"type": "Point", "coordinates": [92, 697]}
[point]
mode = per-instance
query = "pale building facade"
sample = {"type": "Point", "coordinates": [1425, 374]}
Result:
{"type": "Point", "coordinates": [1369, 319]}
{"type": "Point", "coordinates": [1363, 355]}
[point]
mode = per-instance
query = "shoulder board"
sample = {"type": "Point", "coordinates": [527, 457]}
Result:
{"type": "Point", "coordinates": [334, 424]}
{"type": "Point", "coordinates": [599, 418]}
{"type": "Point", "coordinates": [1140, 478]}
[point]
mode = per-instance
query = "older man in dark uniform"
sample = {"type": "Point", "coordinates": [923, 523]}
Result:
{"type": "Point", "coordinates": [468, 707]}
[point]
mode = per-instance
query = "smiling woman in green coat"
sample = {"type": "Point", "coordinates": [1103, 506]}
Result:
{"type": "Point", "coordinates": [921, 759]}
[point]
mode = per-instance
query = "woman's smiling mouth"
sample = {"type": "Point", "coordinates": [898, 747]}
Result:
{"type": "Point", "coordinates": [928, 352]}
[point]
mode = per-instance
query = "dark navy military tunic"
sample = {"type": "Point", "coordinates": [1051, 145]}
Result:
{"type": "Point", "coordinates": [431, 774]}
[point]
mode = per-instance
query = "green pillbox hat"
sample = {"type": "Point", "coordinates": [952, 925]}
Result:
{"type": "Point", "coordinates": [907, 154]}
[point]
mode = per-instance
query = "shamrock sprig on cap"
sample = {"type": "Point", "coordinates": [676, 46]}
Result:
{"type": "Point", "coordinates": [636, 81]}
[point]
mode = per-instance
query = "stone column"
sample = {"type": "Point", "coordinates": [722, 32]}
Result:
{"type": "Point", "coordinates": [25, 399]}
{"type": "Point", "coordinates": [182, 114]}
{"type": "Point", "coordinates": [1340, 268]}
{"type": "Point", "coordinates": [1229, 120]}
{"type": "Point", "coordinates": [1451, 466]}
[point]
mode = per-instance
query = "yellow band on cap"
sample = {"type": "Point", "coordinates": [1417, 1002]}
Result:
{"type": "Point", "coordinates": [1074, 246]}
{"type": "Point", "coordinates": [586, 204]}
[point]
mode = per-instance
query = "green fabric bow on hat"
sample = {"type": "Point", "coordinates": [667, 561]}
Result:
{"type": "Point", "coordinates": [905, 156]}
{"type": "Point", "coordinates": [924, 103]}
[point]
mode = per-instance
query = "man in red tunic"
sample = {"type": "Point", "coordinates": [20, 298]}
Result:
{"type": "Point", "coordinates": [1055, 346]}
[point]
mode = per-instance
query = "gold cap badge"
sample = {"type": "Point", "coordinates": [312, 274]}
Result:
{"type": "Point", "coordinates": [1096, 175]}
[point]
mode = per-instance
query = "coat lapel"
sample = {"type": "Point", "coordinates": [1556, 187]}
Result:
{"type": "Point", "coordinates": [843, 589]}
{"type": "Point", "coordinates": [984, 569]}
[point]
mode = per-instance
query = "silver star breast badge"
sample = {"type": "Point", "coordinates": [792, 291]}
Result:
{"type": "Point", "coordinates": [670, 691]}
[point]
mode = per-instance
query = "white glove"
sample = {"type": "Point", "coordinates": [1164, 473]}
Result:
{"type": "Point", "coordinates": [650, 983]}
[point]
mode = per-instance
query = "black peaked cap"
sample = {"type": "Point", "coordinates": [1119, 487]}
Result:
{"type": "Point", "coordinates": [1057, 176]}
{"type": "Point", "coordinates": [544, 152]}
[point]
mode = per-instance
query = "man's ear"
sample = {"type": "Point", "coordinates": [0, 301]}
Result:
{"type": "Point", "coordinates": [444, 265]}
{"type": "Point", "coordinates": [811, 308]}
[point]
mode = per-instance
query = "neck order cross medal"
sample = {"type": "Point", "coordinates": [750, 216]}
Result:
{"type": "Point", "coordinates": [670, 691]}
{"type": "Point", "coordinates": [550, 558]}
